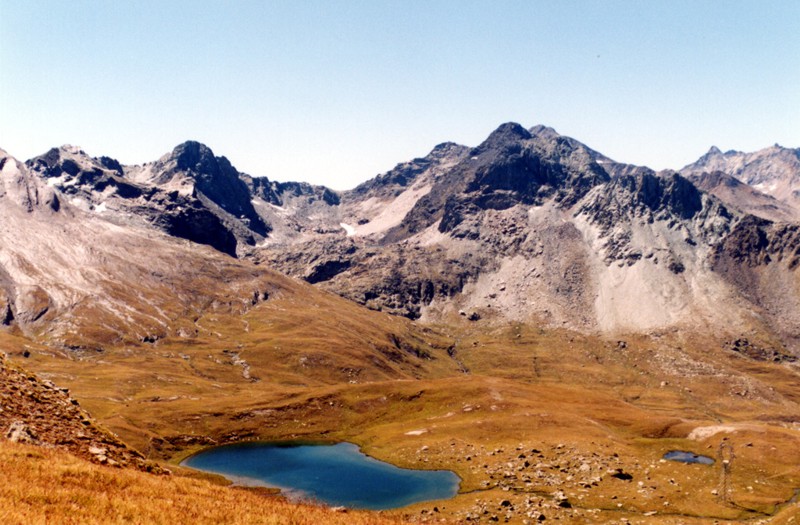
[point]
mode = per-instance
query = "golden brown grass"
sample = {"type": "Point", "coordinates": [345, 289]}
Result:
{"type": "Point", "coordinates": [330, 370]}
{"type": "Point", "coordinates": [45, 486]}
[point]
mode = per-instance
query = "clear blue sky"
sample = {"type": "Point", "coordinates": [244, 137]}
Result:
{"type": "Point", "coordinates": [335, 92]}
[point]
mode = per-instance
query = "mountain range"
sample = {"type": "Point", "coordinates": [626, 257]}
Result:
{"type": "Point", "coordinates": [488, 301]}
{"type": "Point", "coordinates": [527, 225]}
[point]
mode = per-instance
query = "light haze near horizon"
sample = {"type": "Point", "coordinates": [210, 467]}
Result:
{"type": "Point", "coordinates": [335, 93]}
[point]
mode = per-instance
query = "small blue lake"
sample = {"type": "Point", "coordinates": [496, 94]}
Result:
{"type": "Point", "coordinates": [336, 475]}
{"type": "Point", "coordinates": [688, 457]}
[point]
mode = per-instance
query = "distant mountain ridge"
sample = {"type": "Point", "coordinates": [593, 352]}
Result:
{"type": "Point", "coordinates": [529, 224]}
{"type": "Point", "coordinates": [773, 171]}
{"type": "Point", "coordinates": [576, 310]}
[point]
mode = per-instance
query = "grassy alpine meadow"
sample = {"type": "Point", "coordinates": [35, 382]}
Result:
{"type": "Point", "coordinates": [540, 424]}
{"type": "Point", "coordinates": [48, 486]}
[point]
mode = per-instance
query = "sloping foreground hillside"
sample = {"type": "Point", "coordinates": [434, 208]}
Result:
{"type": "Point", "coordinates": [49, 486]}
{"type": "Point", "coordinates": [49, 466]}
{"type": "Point", "coordinates": [37, 412]}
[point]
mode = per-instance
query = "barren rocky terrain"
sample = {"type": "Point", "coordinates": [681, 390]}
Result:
{"type": "Point", "coordinates": [529, 313]}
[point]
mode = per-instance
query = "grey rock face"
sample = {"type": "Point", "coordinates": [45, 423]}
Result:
{"type": "Point", "coordinates": [510, 167]}
{"type": "Point", "coordinates": [527, 224]}
{"type": "Point", "coordinates": [405, 174]}
{"type": "Point", "coordinates": [217, 180]}
{"type": "Point", "coordinates": [101, 184]}
{"type": "Point", "coordinates": [19, 432]}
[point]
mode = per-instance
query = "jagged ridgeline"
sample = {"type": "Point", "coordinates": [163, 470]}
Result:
{"type": "Point", "coordinates": [543, 320]}
{"type": "Point", "coordinates": [527, 225]}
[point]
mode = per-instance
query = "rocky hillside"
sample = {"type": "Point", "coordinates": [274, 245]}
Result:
{"type": "Point", "coordinates": [430, 240]}
{"type": "Point", "coordinates": [82, 274]}
{"type": "Point", "coordinates": [37, 412]}
{"type": "Point", "coordinates": [528, 225]}
{"type": "Point", "coordinates": [534, 225]}
{"type": "Point", "coordinates": [90, 282]}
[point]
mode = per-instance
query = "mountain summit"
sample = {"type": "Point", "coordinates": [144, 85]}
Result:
{"type": "Point", "coordinates": [529, 224]}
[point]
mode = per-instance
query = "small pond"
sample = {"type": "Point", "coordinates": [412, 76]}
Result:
{"type": "Point", "coordinates": [336, 475]}
{"type": "Point", "coordinates": [688, 457]}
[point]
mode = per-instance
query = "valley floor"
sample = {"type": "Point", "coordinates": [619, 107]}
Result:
{"type": "Point", "coordinates": [541, 425]}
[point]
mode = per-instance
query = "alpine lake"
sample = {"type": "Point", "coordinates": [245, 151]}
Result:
{"type": "Point", "coordinates": [334, 475]}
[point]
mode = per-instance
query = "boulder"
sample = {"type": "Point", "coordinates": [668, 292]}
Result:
{"type": "Point", "coordinates": [19, 432]}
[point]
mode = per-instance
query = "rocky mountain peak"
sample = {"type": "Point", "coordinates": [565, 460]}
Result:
{"type": "Point", "coordinates": [406, 174]}
{"type": "Point", "coordinates": [196, 160]}
{"type": "Point", "coordinates": [72, 149]}
{"type": "Point", "coordinates": [195, 156]}
{"type": "Point", "coordinates": [774, 171]}
{"type": "Point", "coordinates": [542, 131]}
{"type": "Point", "coordinates": [512, 166]}
{"type": "Point", "coordinates": [446, 149]}
{"type": "Point", "coordinates": [668, 190]}
{"type": "Point", "coordinates": [508, 134]}
{"type": "Point", "coordinates": [58, 161]}
{"type": "Point", "coordinates": [88, 181]}
{"type": "Point", "coordinates": [20, 188]}
{"type": "Point", "coordinates": [215, 180]}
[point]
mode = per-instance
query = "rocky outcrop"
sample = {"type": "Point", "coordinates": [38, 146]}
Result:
{"type": "Point", "coordinates": [6, 312]}
{"type": "Point", "coordinates": [74, 173]}
{"type": "Point", "coordinates": [187, 218]}
{"type": "Point", "coordinates": [7, 292]}
{"type": "Point", "coordinates": [756, 352]}
{"type": "Point", "coordinates": [37, 412]}
{"type": "Point", "coordinates": [761, 260]}
{"type": "Point", "coordinates": [646, 198]}
{"type": "Point", "coordinates": [397, 279]}
{"type": "Point", "coordinates": [279, 193]}
{"type": "Point", "coordinates": [189, 194]}
{"type": "Point", "coordinates": [19, 188]}
{"type": "Point", "coordinates": [754, 242]}
{"type": "Point", "coordinates": [100, 185]}
{"type": "Point", "coordinates": [31, 303]}
{"type": "Point", "coordinates": [647, 195]}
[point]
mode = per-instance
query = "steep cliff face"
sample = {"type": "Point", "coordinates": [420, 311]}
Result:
{"type": "Point", "coordinates": [214, 180]}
